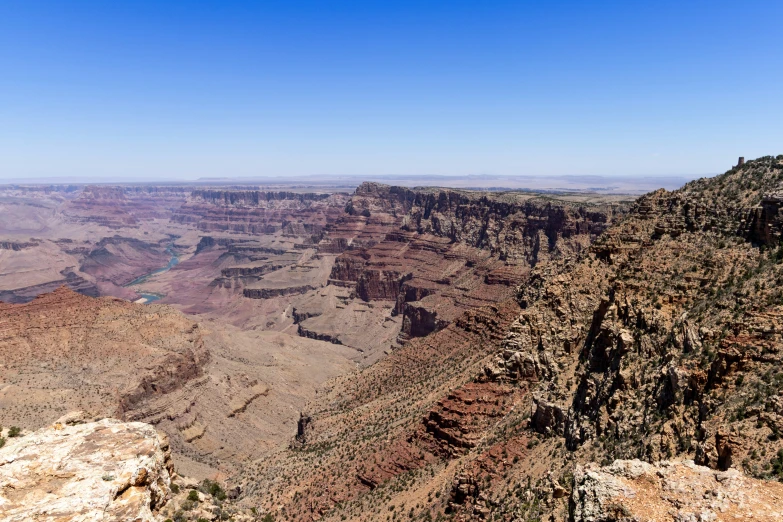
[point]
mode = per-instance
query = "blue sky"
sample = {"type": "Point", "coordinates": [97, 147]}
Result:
{"type": "Point", "coordinates": [181, 90]}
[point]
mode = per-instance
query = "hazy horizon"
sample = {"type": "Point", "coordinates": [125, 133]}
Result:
{"type": "Point", "coordinates": [555, 184]}
{"type": "Point", "coordinates": [150, 91]}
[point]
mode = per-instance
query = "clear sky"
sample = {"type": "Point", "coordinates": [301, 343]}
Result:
{"type": "Point", "coordinates": [171, 90]}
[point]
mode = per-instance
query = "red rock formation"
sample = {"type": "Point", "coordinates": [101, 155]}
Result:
{"type": "Point", "coordinates": [257, 212]}
{"type": "Point", "coordinates": [437, 253]}
{"type": "Point", "coordinates": [102, 355]}
{"type": "Point", "coordinates": [102, 205]}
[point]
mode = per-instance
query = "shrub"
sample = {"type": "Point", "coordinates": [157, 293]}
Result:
{"type": "Point", "coordinates": [193, 495]}
{"type": "Point", "coordinates": [14, 431]}
{"type": "Point", "coordinates": [210, 487]}
{"type": "Point", "coordinates": [777, 465]}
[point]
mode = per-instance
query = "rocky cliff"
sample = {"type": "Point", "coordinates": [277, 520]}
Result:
{"type": "Point", "coordinates": [635, 490]}
{"type": "Point", "coordinates": [259, 212]}
{"type": "Point", "coordinates": [512, 225]}
{"type": "Point", "coordinates": [103, 205]}
{"type": "Point", "coordinates": [105, 470]}
{"type": "Point", "coordinates": [119, 207]}
{"type": "Point", "coordinates": [438, 252]}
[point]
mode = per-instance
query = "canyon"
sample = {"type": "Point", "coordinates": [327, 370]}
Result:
{"type": "Point", "coordinates": [428, 353]}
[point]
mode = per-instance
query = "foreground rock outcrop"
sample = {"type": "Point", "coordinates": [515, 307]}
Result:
{"type": "Point", "coordinates": [632, 490]}
{"type": "Point", "coordinates": [98, 471]}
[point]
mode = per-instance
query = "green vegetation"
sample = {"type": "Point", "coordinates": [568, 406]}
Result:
{"type": "Point", "coordinates": [210, 487]}
{"type": "Point", "coordinates": [777, 466]}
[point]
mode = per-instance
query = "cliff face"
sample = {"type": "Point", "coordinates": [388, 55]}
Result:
{"type": "Point", "coordinates": [440, 252]}
{"type": "Point", "coordinates": [102, 205]}
{"type": "Point", "coordinates": [258, 212]}
{"type": "Point", "coordinates": [663, 340]}
{"type": "Point", "coordinates": [665, 314]}
{"type": "Point", "coordinates": [252, 198]}
{"type": "Point", "coordinates": [123, 207]}
{"type": "Point", "coordinates": [509, 225]}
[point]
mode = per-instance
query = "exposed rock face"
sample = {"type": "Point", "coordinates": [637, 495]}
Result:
{"type": "Point", "coordinates": [259, 212]}
{"type": "Point", "coordinates": [224, 397]}
{"type": "Point", "coordinates": [70, 279]}
{"type": "Point", "coordinates": [102, 205]}
{"type": "Point", "coordinates": [510, 225]}
{"type": "Point", "coordinates": [437, 253]}
{"type": "Point", "coordinates": [252, 198]}
{"type": "Point", "coordinates": [642, 312]}
{"type": "Point", "coordinates": [631, 490]}
{"type": "Point", "coordinates": [422, 413]}
{"type": "Point", "coordinates": [765, 222]}
{"type": "Point", "coordinates": [98, 471]}
{"type": "Point", "coordinates": [17, 245]}
{"type": "Point", "coordinates": [266, 293]}
{"type": "Point", "coordinates": [124, 207]}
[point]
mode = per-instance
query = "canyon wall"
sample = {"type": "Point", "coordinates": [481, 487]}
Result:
{"type": "Point", "coordinates": [259, 212]}
{"type": "Point", "coordinates": [657, 344]}
{"type": "Point", "coordinates": [436, 253]}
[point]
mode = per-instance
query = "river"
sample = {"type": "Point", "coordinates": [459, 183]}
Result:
{"type": "Point", "coordinates": [148, 297]}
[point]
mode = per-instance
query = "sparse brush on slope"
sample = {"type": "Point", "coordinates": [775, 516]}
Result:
{"type": "Point", "coordinates": [660, 341]}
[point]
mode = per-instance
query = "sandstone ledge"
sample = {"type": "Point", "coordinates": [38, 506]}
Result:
{"type": "Point", "coordinates": [99, 471]}
{"type": "Point", "coordinates": [631, 490]}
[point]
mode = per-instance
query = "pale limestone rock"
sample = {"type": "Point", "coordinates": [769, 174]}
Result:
{"type": "Point", "coordinates": [99, 471]}
{"type": "Point", "coordinates": [631, 490]}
